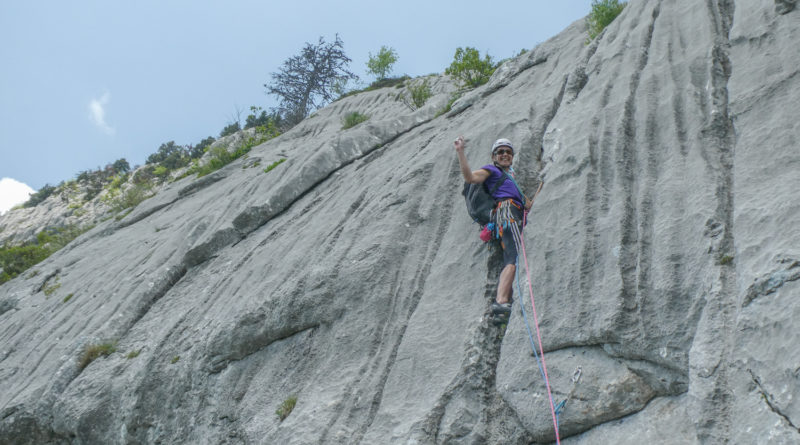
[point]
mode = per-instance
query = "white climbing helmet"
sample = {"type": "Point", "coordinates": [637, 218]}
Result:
{"type": "Point", "coordinates": [502, 142]}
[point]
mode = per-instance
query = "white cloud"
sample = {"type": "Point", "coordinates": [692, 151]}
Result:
{"type": "Point", "coordinates": [13, 192]}
{"type": "Point", "coordinates": [97, 113]}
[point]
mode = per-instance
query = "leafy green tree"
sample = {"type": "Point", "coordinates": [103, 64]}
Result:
{"type": "Point", "coordinates": [468, 67]}
{"type": "Point", "coordinates": [42, 194]}
{"type": "Point", "coordinates": [121, 166]}
{"type": "Point", "coordinates": [170, 155]}
{"type": "Point", "coordinates": [260, 118]}
{"type": "Point", "coordinates": [230, 129]}
{"type": "Point", "coordinates": [144, 175]}
{"type": "Point", "coordinates": [197, 151]}
{"type": "Point", "coordinates": [306, 81]}
{"type": "Point", "coordinates": [381, 64]}
{"type": "Point", "coordinates": [603, 13]}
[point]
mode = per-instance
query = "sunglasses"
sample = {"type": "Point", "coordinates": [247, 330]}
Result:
{"type": "Point", "coordinates": [504, 152]}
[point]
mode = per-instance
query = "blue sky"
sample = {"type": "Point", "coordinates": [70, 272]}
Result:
{"type": "Point", "coordinates": [85, 83]}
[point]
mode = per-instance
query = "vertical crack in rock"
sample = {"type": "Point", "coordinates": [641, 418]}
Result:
{"type": "Point", "coordinates": [606, 169]}
{"type": "Point", "coordinates": [626, 159]}
{"type": "Point", "coordinates": [678, 106]}
{"type": "Point", "coordinates": [646, 218]}
{"type": "Point", "coordinates": [714, 337]}
{"type": "Point", "coordinates": [578, 78]}
{"type": "Point", "coordinates": [588, 258]}
{"type": "Point", "coordinates": [768, 399]}
{"type": "Point", "coordinates": [471, 394]}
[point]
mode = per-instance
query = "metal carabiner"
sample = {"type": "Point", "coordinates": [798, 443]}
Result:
{"type": "Point", "coordinates": [576, 376]}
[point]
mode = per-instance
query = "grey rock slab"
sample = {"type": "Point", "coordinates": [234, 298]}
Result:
{"type": "Point", "coordinates": [662, 254]}
{"type": "Point", "coordinates": [608, 388]}
{"type": "Point", "coordinates": [663, 421]}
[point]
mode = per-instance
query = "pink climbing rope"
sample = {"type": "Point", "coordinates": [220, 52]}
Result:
{"type": "Point", "coordinates": [538, 335]}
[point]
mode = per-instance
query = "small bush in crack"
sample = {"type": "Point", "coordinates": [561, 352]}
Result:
{"type": "Point", "coordinates": [286, 407]}
{"type": "Point", "coordinates": [725, 260]}
{"type": "Point", "coordinates": [353, 119]}
{"type": "Point", "coordinates": [175, 359]}
{"type": "Point", "coordinates": [94, 351]}
{"type": "Point", "coordinates": [274, 164]}
{"type": "Point", "coordinates": [49, 290]}
{"type": "Point", "coordinates": [419, 94]}
{"type": "Point", "coordinates": [133, 354]}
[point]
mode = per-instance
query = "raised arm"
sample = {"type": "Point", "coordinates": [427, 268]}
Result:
{"type": "Point", "coordinates": [473, 177]}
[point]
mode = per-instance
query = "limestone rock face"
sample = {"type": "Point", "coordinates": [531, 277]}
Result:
{"type": "Point", "coordinates": [663, 249]}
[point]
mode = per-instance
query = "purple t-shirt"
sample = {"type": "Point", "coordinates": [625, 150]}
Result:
{"type": "Point", "coordinates": [507, 189]}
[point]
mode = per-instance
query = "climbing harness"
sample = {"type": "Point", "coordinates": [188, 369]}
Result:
{"type": "Point", "coordinates": [504, 218]}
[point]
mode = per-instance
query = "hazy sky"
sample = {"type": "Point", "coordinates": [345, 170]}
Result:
{"type": "Point", "coordinates": [84, 83]}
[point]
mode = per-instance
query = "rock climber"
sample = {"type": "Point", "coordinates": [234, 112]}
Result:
{"type": "Point", "coordinates": [511, 203]}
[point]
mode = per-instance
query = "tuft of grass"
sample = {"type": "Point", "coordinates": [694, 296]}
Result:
{"type": "Point", "coordinates": [50, 290]}
{"type": "Point", "coordinates": [95, 351]}
{"type": "Point", "coordinates": [352, 119]}
{"type": "Point", "coordinates": [133, 354]}
{"type": "Point", "coordinates": [725, 260]}
{"type": "Point", "coordinates": [175, 359]}
{"type": "Point", "coordinates": [286, 407]}
{"type": "Point", "coordinates": [68, 297]}
{"type": "Point", "coordinates": [274, 164]}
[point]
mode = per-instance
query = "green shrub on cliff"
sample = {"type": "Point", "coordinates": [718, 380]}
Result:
{"type": "Point", "coordinates": [93, 351]}
{"type": "Point", "coordinates": [418, 95]}
{"type": "Point", "coordinates": [18, 258]}
{"type": "Point", "coordinates": [131, 197]}
{"type": "Point", "coordinates": [42, 194]}
{"type": "Point", "coordinates": [220, 156]}
{"type": "Point", "coordinates": [286, 407]}
{"type": "Point", "coordinates": [469, 69]}
{"type": "Point", "coordinates": [603, 12]}
{"type": "Point", "coordinates": [352, 119]}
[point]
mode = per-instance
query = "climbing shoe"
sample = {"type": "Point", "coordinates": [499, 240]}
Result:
{"type": "Point", "coordinates": [501, 308]}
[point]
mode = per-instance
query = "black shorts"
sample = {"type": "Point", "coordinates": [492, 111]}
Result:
{"type": "Point", "coordinates": [507, 240]}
